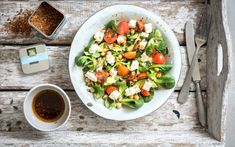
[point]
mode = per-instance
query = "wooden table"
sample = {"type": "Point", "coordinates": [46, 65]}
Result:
{"type": "Point", "coordinates": [84, 128]}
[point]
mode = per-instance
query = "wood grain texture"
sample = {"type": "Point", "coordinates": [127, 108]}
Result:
{"type": "Point", "coordinates": [119, 138]}
{"type": "Point", "coordinates": [174, 13]}
{"type": "Point", "coordinates": [11, 74]}
{"type": "Point", "coordinates": [218, 84]}
{"type": "Point", "coordinates": [82, 119]}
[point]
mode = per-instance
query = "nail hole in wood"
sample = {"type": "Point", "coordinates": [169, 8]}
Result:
{"type": "Point", "coordinates": [79, 129]}
{"type": "Point", "coordinates": [18, 123]}
{"type": "Point", "coordinates": [199, 60]}
{"type": "Point", "coordinates": [81, 117]}
{"type": "Point", "coordinates": [15, 107]}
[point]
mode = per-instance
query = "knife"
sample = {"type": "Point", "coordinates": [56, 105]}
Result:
{"type": "Point", "coordinates": [190, 43]}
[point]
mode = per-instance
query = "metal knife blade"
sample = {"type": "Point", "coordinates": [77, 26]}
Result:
{"type": "Point", "coordinates": [190, 43]}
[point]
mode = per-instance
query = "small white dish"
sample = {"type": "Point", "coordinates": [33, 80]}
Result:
{"type": "Point", "coordinates": [82, 38]}
{"type": "Point", "coordinates": [36, 122]}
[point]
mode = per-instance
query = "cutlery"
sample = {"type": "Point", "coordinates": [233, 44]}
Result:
{"type": "Point", "coordinates": [196, 74]}
{"type": "Point", "coordinates": [200, 39]}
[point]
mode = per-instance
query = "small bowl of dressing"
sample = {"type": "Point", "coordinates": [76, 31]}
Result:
{"type": "Point", "coordinates": [47, 107]}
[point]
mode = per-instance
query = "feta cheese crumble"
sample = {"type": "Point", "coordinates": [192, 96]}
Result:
{"type": "Point", "coordinates": [113, 72]}
{"type": "Point", "coordinates": [132, 23]}
{"type": "Point", "coordinates": [142, 44]}
{"type": "Point", "coordinates": [134, 65]}
{"type": "Point", "coordinates": [144, 35]}
{"type": "Point", "coordinates": [91, 76]}
{"type": "Point", "coordinates": [114, 95]}
{"type": "Point", "coordinates": [132, 90]}
{"type": "Point", "coordinates": [94, 47]}
{"type": "Point", "coordinates": [147, 85]}
{"type": "Point", "coordinates": [110, 59]}
{"type": "Point", "coordinates": [110, 80]}
{"type": "Point", "coordinates": [99, 36]}
{"type": "Point", "coordinates": [148, 28]}
{"type": "Point", "coordinates": [145, 58]}
{"type": "Point", "coordinates": [121, 39]}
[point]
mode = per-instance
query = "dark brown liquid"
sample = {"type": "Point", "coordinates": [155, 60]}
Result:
{"type": "Point", "coordinates": [48, 105]}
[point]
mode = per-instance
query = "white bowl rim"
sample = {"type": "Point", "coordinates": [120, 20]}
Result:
{"type": "Point", "coordinates": [175, 41]}
{"type": "Point", "coordinates": [64, 95]}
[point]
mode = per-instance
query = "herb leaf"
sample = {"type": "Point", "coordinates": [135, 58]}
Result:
{"type": "Point", "coordinates": [112, 25]}
{"type": "Point", "coordinates": [99, 91]}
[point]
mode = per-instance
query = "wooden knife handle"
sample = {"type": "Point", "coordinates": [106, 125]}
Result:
{"type": "Point", "coordinates": [200, 105]}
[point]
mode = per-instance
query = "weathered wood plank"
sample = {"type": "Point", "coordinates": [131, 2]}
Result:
{"type": "Point", "coordinates": [11, 73]}
{"type": "Point", "coordinates": [174, 138]}
{"type": "Point", "coordinates": [82, 119]}
{"type": "Point", "coordinates": [174, 13]}
{"type": "Point", "coordinates": [218, 83]}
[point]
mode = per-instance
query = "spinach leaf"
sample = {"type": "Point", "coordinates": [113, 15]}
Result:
{"type": "Point", "coordinates": [108, 67]}
{"type": "Point", "coordinates": [148, 98]}
{"type": "Point", "coordinates": [163, 68]}
{"type": "Point", "coordinates": [109, 103]}
{"type": "Point", "coordinates": [92, 41]}
{"type": "Point", "coordinates": [96, 55]}
{"type": "Point", "coordinates": [162, 48]}
{"type": "Point", "coordinates": [167, 81]}
{"type": "Point", "coordinates": [152, 74]}
{"type": "Point", "coordinates": [156, 42]}
{"type": "Point", "coordinates": [150, 46]}
{"type": "Point", "coordinates": [92, 64]}
{"type": "Point", "coordinates": [112, 25]}
{"type": "Point", "coordinates": [122, 86]}
{"type": "Point", "coordinates": [132, 103]}
{"type": "Point", "coordinates": [134, 36]}
{"type": "Point", "coordinates": [82, 60]}
{"type": "Point", "coordinates": [99, 91]}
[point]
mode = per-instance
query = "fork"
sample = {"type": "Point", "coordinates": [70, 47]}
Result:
{"type": "Point", "coordinates": [200, 39]}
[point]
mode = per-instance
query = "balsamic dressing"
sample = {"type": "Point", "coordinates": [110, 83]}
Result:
{"type": "Point", "coordinates": [48, 105]}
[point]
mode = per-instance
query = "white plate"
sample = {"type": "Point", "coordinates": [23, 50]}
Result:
{"type": "Point", "coordinates": [86, 32]}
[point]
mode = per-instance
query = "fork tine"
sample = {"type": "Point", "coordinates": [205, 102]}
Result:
{"type": "Point", "coordinates": [202, 30]}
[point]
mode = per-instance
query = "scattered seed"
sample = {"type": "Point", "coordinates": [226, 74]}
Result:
{"type": "Point", "coordinates": [177, 113]}
{"type": "Point", "coordinates": [89, 104]}
{"type": "Point", "coordinates": [11, 102]}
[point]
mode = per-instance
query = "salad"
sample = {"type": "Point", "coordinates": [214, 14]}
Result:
{"type": "Point", "coordinates": [125, 63]}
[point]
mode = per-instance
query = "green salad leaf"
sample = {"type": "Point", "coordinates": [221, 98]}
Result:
{"type": "Point", "coordinates": [148, 98]}
{"type": "Point", "coordinates": [82, 60]}
{"type": "Point", "coordinates": [99, 91]}
{"type": "Point", "coordinates": [109, 103]}
{"type": "Point", "coordinates": [167, 81]}
{"type": "Point", "coordinates": [112, 25]}
{"type": "Point", "coordinates": [131, 103]}
{"type": "Point", "coordinates": [92, 41]}
{"type": "Point", "coordinates": [163, 68]}
{"type": "Point", "coordinates": [122, 86]}
{"type": "Point", "coordinates": [156, 42]}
